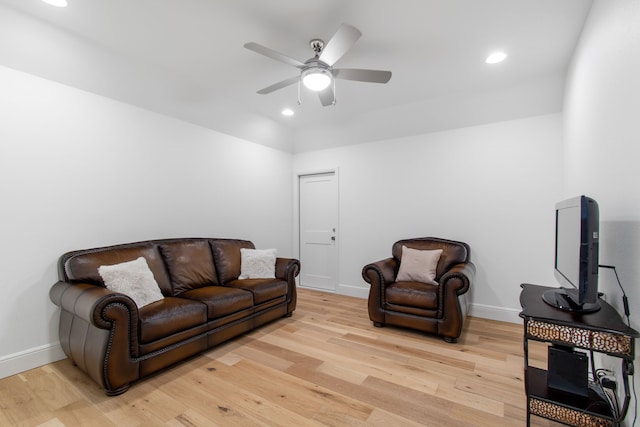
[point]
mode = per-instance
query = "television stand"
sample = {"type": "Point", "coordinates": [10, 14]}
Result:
{"type": "Point", "coordinates": [602, 331]}
{"type": "Point", "coordinates": [559, 298]}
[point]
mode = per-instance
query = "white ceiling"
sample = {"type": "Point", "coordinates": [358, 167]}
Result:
{"type": "Point", "coordinates": [185, 58]}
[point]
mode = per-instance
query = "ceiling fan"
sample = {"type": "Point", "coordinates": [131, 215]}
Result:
{"type": "Point", "coordinates": [317, 73]}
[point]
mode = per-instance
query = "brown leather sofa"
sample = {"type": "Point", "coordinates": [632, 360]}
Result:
{"type": "Point", "coordinates": [433, 308]}
{"type": "Point", "coordinates": [107, 336]}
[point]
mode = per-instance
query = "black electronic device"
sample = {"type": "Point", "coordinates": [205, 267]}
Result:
{"type": "Point", "coordinates": [568, 370]}
{"type": "Point", "coordinates": [576, 256]}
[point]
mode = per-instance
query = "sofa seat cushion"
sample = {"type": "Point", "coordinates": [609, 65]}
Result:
{"type": "Point", "coordinates": [263, 290]}
{"type": "Point", "coordinates": [413, 294]}
{"type": "Point", "coordinates": [169, 316]}
{"type": "Point", "coordinates": [220, 300]}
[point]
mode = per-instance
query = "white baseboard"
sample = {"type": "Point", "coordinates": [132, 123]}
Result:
{"type": "Point", "coordinates": [495, 313]}
{"type": "Point", "coordinates": [30, 359]}
{"type": "Point", "coordinates": [350, 291]}
{"type": "Point", "coordinates": [353, 291]}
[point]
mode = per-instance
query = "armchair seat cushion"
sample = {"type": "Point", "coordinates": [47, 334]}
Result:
{"type": "Point", "coordinates": [413, 294]}
{"type": "Point", "coordinates": [169, 316]}
{"type": "Point", "coordinates": [221, 300]}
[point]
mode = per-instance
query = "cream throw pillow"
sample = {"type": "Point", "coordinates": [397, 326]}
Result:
{"type": "Point", "coordinates": [132, 278]}
{"type": "Point", "coordinates": [257, 263]}
{"type": "Point", "coordinates": [418, 266]}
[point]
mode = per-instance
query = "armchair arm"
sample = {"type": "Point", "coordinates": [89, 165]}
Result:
{"type": "Point", "coordinates": [288, 269]}
{"type": "Point", "coordinates": [383, 271]}
{"type": "Point", "coordinates": [378, 275]}
{"type": "Point", "coordinates": [465, 272]}
{"type": "Point", "coordinates": [452, 307]}
{"type": "Point", "coordinates": [99, 333]}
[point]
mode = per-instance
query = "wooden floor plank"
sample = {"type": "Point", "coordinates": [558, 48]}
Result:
{"type": "Point", "coordinates": [325, 366]}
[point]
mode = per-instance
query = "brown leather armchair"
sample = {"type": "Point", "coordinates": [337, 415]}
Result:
{"type": "Point", "coordinates": [437, 308]}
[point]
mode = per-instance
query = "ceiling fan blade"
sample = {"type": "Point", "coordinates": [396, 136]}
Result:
{"type": "Point", "coordinates": [327, 97]}
{"type": "Point", "coordinates": [371, 76]}
{"type": "Point", "coordinates": [340, 43]}
{"type": "Point", "coordinates": [273, 54]}
{"type": "Point", "coordinates": [279, 85]}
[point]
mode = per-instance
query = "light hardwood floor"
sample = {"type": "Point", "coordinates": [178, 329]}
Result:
{"type": "Point", "coordinates": [325, 366]}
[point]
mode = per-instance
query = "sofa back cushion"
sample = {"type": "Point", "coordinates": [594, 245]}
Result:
{"type": "Point", "coordinates": [226, 253]}
{"type": "Point", "coordinates": [190, 264]}
{"type": "Point", "coordinates": [82, 266]}
{"type": "Point", "coordinates": [453, 252]}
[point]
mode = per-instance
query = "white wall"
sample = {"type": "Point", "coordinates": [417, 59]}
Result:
{"type": "Point", "coordinates": [492, 186]}
{"type": "Point", "coordinates": [602, 132]}
{"type": "Point", "coordinates": [602, 140]}
{"type": "Point", "coordinates": [78, 170]}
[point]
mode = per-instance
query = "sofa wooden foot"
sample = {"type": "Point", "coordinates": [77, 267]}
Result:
{"type": "Point", "coordinates": [378, 324]}
{"type": "Point", "coordinates": [450, 340]}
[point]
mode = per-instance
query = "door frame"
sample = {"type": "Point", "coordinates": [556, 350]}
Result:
{"type": "Point", "coordinates": [296, 216]}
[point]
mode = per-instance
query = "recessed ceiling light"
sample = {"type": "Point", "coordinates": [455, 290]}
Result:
{"type": "Point", "coordinates": [287, 112]}
{"type": "Point", "coordinates": [56, 3]}
{"type": "Point", "coordinates": [496, 57]}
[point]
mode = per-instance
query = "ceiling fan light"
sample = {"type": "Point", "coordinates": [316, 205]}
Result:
{"type": "Point", "coordinates": [316, 79]}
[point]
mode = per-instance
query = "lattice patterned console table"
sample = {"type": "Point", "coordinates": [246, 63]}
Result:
{"type": "Point", "coordinates": [602, 331]}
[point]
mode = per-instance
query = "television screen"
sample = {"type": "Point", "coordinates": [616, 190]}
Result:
{"type": "Point", "coordinates": [576, 256]}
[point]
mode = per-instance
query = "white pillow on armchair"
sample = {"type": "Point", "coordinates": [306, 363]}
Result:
{"type": "Point", "coordinates": [418, 265]}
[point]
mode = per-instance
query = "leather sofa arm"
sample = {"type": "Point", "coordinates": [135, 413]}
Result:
{"type": "Point", "coordinates": [88, 302]}
{"type": "Point", "coordinates": [99, 333]}
{"type": "Point", "coordinates": [287, 269]}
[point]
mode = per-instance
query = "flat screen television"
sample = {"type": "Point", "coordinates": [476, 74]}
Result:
{"type": "Point", "coordinates": [576, 256]}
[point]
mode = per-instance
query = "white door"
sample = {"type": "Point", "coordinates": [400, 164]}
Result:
{"type": "Point", "coordinates": [318, 224]}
